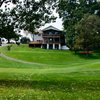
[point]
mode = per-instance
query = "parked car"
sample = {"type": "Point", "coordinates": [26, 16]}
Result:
{"type": "Point", "coordinates": [4, 41]}
{"type": "Point", "coordinates": [12, 41]}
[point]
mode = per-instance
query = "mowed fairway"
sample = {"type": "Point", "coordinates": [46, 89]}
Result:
{"type": "Point", "coordinates": [39, 74]}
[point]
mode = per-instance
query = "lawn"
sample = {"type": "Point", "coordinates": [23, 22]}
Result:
{"type": "Point", "coordinates": [51, 75]}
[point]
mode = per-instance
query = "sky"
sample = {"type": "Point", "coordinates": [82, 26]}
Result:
{"type": "Point", "coordinates": [57, 24]}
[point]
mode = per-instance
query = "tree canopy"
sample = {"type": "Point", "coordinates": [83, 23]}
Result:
{"type": "Point", "coordinates": [26, 14]}
{"type": "Point", "coordinates": [72, 11]}
{"type": "Point", "coordinates": [88, 33]}
{"type": "Point", "coordinates": [31, 14]}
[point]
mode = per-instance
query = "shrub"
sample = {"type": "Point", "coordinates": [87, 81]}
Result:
{"type": "Point", "coordinates": [25, 40]}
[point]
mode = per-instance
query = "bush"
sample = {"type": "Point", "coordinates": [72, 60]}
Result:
{"type": "Point", "coordinates": [9, 47]}
{"type": "Point", "coordinates": [85, 52]}
{"type": "Point", "coordinates": [25, 40]}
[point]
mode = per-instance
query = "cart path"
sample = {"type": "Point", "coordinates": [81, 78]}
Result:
{"type": "Point", "coordinates": [17, 60]}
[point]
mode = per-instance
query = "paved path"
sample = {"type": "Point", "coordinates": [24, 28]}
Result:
{"type": "Point", "coordinates": [17, 60]}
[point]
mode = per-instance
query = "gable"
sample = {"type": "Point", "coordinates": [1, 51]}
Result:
{"type": "Point", "coordinates": [50, 28]}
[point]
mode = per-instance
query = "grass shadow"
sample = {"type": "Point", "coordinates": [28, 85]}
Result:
{"type": "Point", "coordinates": [94, 55]}
{"type": "Point", "coordinates": [69, 85]}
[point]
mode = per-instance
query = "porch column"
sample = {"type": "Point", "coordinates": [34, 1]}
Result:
{"type": "Point", "coordinates": [41, 46]}
{"type": "Point", "coordinates": [47, 46]}
{"type": "Point", "coordinates": [53, 46]}
{"type": "Point", "coordinates": [59, 46]}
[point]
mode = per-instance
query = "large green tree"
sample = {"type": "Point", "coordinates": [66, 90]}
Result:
{"type": "Point", "coordinates": [72, 11]}
{"type": "Point", "coordinates": [7, 26]}
{"type": "Point", "coordinates": [26, 14]}
{"type": "Point", "coordinates": [88, 33]}
{"type": "Point", "coordinates": [31, 14]}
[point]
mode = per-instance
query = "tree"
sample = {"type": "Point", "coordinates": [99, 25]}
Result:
{"type": "Point", "coordinates": [8, 1]}
{"type": "Point", "coordinates": [7, 26]}
{"type": "Point", "coordinates": [30, 14]}
{"type": "Point", "coordinates": [88, 33]}
{"type": "Point", "coordinates": [25, 40]}
{"type": "Point", "coordinates": [72, 11]}
{"type": "Point", "coordinates": [26, 14]}
{"type": "Point", "coordinates": [8, 33]}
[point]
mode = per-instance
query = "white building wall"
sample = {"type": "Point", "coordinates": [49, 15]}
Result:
{"type": "Point", "coordinates": [37, 37]}
{"type": "Point", "coordinates": [32, 37]}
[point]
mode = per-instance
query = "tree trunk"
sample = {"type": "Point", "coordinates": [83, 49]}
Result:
{"type": "Point", "coordinates": [8, 41]}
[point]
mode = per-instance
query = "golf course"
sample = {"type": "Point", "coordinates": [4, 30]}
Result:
{"type": "Point", "coordinates": [40, 74]}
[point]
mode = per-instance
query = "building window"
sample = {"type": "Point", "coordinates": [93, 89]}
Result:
{"type": "Point", "coordinates": [39, 34]}
{"type": "Point", "coordinates": [56, 32]}
{"type": "Point", "coordinates": [50, 33]}
{"type": "Point", "coordinates": [50, 39]}
{"type": "Point", "coordinates": [56, 39]}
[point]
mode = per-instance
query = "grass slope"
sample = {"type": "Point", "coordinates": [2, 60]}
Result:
{"type": "Point", "coordinates": [62, 75]}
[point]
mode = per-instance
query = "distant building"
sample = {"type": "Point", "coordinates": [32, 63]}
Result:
{"type": "Point", "coordinates": [38, 37]}
{"type": "Point", "coordinates": [49, 38]}
{"type": "Point", "coordinates": [53, 38]}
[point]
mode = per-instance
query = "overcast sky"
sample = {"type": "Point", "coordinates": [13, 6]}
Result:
{"type": "Point", "coordinates": [57, 24]}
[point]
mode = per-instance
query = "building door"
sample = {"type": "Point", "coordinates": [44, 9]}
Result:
{"type": "Point", "coordinates": [56, 46]}
{"type": "Point", "coordinates": [50, 46]}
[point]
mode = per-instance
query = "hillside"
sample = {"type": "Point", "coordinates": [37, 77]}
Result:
{"type": "Point", "coordinates": [50, 74]}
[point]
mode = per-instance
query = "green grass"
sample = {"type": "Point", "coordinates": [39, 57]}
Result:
{"type": "Point", "coordinates": [60, 75]}
{"type": "Point", "coordinates": [51, 57]}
